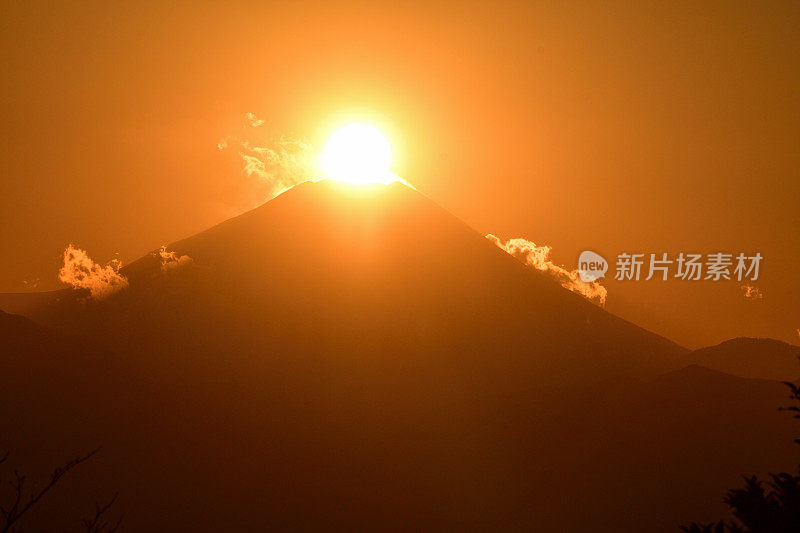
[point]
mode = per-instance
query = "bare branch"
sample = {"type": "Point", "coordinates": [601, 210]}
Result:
{"type": "Point", "coordinates": [12, 515]}
{"type": "Point", "coordinates": [95, 525]}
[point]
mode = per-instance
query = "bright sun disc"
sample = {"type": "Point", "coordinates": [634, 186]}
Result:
{"type": "Point", "coordinates": [357, 153]}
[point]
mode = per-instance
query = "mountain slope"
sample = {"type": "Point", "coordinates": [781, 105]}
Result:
{"type": "Point", "coordinates": [381, 270]}
{"type": "Point", "coordinates": [751, 358]}
{"type": "Point", "coordinates": [359, 358]}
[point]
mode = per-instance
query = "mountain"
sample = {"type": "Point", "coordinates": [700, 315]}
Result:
{"type": "Point", "coordinates": [359, 358]}
{"type": "Point", "coordinates": [748, 357]}
{"type": "Point", "coordinates": [375, 269]}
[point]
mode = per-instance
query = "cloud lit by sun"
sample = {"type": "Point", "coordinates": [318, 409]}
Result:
{"type": "Point", "coordinates": [357, 153]}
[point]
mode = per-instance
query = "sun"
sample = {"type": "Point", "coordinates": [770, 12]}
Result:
{"type": "Point", "coordinates": [358, 153]}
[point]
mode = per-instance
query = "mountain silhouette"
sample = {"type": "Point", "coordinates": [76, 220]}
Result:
{"type": "Point", "coordinates": [749, 357]}
{"type": "Point", "coordinates": [348, 357]}
{"type": "Point", "coordinates": [371, 268]}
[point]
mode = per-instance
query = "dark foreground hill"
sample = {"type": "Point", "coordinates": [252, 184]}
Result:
{"type": "Point", "coordinates": [359, 358]}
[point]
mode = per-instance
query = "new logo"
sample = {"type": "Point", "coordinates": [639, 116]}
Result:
{"type": "Point", "coordinates": [591, 266]}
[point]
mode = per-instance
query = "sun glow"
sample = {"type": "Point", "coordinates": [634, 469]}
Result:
{"type": "Point", "coordinates": [358, 153]}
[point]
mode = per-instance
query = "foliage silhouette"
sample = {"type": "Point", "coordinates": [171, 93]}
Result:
{"type": "Point", "coordinates": [763, 507]}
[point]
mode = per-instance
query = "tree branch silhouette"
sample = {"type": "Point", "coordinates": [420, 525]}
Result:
{"type": "Point", "coordinates": [96, 525]}
{"type": "Point", "coordinates": [22, 504]}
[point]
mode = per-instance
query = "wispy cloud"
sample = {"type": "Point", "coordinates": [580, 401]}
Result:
{"type": "Point", "coordinates": [288, 163]}
{"type": "Point", "coordinates": [283, 164]}
{"type": "Point", "coordinates": [80, 271]}
{"type": "Point", "coordinates": [538, 257]}
{"type": "Point", "coordinates": [171, 260]}
{"type": "Point", "coordinates": [252, 120]}
{"type": "Point", "coordinates": [751, 292]}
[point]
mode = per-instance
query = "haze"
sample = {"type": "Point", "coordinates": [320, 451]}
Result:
{"type": "Point", "coordinates": [584, 127]}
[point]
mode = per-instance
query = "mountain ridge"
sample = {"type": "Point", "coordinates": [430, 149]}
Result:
{"type": "Point", "coordinates": [360, 358]}
{"type": "Point", "coordinates": [339, 239]}
{"type": "Point", "coordinates": [750, 357]}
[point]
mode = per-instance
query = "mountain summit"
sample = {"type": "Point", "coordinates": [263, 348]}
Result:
{"type": "Point", "coordinates": [378, 270]}
{"type": "Point", "coordinates": [358, 357]}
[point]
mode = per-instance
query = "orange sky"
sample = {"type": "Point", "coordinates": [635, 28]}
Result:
{"type": "Point", "coordinates": [612, 128]}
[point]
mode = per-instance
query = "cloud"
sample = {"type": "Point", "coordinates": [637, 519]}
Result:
{"type": "Point", "coordinates": [82, 273]}
{"type": "Point", "coordinates": [252, 120]}
{"type": "Point", "coordinates": [538, 257]}
{"type": "Point", "coordinates": [752, 293]}
{"type": "Point", "coordinates": [288, 162]}
{"type": "Point", "coordinates": [171, 260]}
